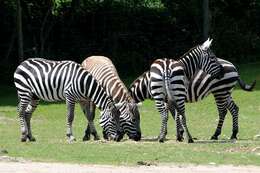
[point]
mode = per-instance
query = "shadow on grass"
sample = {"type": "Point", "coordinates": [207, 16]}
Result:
{"type": "Point", "coordinates": [153, 139]}
{"type": "Point", "coordinates": [198, 141]}
{"type": "Point", "coordinates": [214, 141]}
{"type": "Point", "coordinates": [220, 141]}
{"type": "Point", "coordinates": [150, 139]}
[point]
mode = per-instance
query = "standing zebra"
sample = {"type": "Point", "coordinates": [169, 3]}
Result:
{"type": "Point", "coordinates": [105, 72]}
{"type": "Point", "coordinates": [200, 86]}
{"type": "Point", "coordinates": [169, 80]}
{"type": "Point", "coordinates": [51, 81]}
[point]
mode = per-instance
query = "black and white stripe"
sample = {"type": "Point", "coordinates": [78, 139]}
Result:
{"type": "Point", "coordinates": [169, 81]}
{"type": "Point", "coordinates": [200, 86]}
{"type": "Point", "coordinates": [105, 72]}
{"type": "Point", "coordinates": [51, 81]}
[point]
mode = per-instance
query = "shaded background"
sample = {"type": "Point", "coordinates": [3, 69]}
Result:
{"type": "Point", "coordinates": [131, 32]}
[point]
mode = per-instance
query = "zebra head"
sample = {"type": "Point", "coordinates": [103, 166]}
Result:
{"type": "Point", "coordinates": [109, 121]}
{"type": "Point", "coordinates": [129, 120]}
{"type": "Point", "coordinates": [208, 60]}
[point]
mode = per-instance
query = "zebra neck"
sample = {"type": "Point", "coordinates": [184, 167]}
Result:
{"type": "Point", "coordinates": [190, 64]}
{"type": "Point", "coordinates": [90, 89]}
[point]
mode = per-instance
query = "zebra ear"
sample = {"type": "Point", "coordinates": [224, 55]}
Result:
{"type": "Point", "coordinates": [206, 44]}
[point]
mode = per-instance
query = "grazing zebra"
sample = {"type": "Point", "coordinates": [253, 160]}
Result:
{"type": "Point", "coordinates": [200, 86]}
{"type": "Point", "coordinates": [105, 72]}
{"type": "Point", "coordinates": [169, 80]}
{"type": "Point", "coordinates": [51, 81]}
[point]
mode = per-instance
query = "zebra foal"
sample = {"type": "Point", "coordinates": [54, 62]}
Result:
{"type": "Point", "coordinates": [51, 81]}
{"type": "Point", "coordinates": [106, 74]}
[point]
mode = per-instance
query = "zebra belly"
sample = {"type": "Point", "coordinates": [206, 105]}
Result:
{"type": "Point", "coordinates": [202, 85]}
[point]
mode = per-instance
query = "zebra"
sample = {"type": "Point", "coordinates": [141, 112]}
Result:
{"type": "Point", "coordinates": [169, 80]}
{"type": "Point", "coordinates": [51, 81]}
{"type": "Point", "coordinates": [105, 72]}
{"type": "Point", "coordinates": [200, 86]}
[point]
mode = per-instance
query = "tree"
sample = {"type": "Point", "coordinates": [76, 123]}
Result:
{"type": "Point", "coordinates": [19, 31]}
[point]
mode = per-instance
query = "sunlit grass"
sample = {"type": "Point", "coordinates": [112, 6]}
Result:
{"type": "Point", "coordinates": [49, 127]}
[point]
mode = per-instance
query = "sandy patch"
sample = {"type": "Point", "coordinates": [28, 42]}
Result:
{"type": "Point", "coordinates": [10, 165]}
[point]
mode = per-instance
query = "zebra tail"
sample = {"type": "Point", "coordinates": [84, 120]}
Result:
{"type": "Point", "coordinates": [166, 82]}
{"type": "Point", "coordinates": [245, 86]}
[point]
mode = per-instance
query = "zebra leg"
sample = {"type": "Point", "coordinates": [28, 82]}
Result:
{"type": "Point", "coordinates": [91, 115]}
{"type": "Point", "coordinates": [222, 110]}
{"type": "Point", "coordinates": [84, 107]}
{"type": "Point", "coordinates": [70, 118]}
{"type": "Point", "coordinates": [22, 111]}
{"type": "Point", "coordinates": [179, 129]}
{"type": "Point", "coordinates": [28, 115]}
{"type": "Point", "coordinates": [234, 110]}
{"type": "Point", "coordinates": [181, 115]}
{"type": "Point", "coordinates": [89, 108]}
{"type": "Point", "coordinates": [162, 108]}
{"type": "Point", "coordinates": [183, 122]}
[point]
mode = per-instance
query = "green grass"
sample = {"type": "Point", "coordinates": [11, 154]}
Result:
{"type": "Point", "coordinates": [49, 128]}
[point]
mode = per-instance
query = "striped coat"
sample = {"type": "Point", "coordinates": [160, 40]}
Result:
{"type": "Point", "coordinates": [106, 74]}
{"type": "Point", "coordinates": [51, 81]}
{"type": "Point", "coordinates": [200, 86]}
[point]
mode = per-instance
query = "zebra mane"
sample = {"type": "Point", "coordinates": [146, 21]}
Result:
{"type": "Point", "coordinates": [204, 46]}
{"type": "Point", "coordinates": [138, 78]}
{"type": "Point", "coordinates": [187, 52]}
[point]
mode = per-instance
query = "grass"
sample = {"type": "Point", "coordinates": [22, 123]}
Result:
{"type": "Point", "coordinates": [49, 128]}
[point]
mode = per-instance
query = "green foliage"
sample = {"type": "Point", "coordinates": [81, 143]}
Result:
{"type": "Point", "coordinates": [234, 27]}
{"type": "Point", "coordinates": [130, 32]}
{"type": "Point", "coordinates": [48, 125]}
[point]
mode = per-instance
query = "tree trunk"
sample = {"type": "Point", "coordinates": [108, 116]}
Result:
{"type": "Point", "coordinates": [19, 31]}
{"type": "Point", "coordinates": [44, 35]}
{"type": "Point", "coordinates": [11, 45]}
{"type": "Point", "coordinates": [205, 29]}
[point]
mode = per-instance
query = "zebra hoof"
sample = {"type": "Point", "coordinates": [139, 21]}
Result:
{"type": "Point", "coordinates": [180, 139]}
{"type": "Point", "coordinates": [71, 139]}
{"type": "Point", "coordinates": [86, 138]}
{"type": "Point", "coordinates": [190, 141]}
{"type": "Point", "coordinates": [31, 138]}
{"type": "Point", "coordinates": [214, 138]}
{"type": "Point", "coordinates": [161, 140]}
{"type": "Point", "coordinates": [96, 138]}
{"type": "Point", "coordinates": [233, 138]}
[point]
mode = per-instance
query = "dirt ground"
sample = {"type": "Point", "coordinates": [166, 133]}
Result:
{"type": "Point", "coordinates": [9, 165]}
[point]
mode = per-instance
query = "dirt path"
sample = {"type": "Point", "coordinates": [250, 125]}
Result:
{"type": "Point", "coordinates": [20, 166]}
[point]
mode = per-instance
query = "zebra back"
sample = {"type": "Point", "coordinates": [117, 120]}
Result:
{"type": "Point", "coordinates": [198, 87]}
{"type": "Point", "coordinates": [105, 72]}
{"type": "Point", "coordinates": [56, 80]}
{"type": "Point", "coordinates": [140, 88]}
